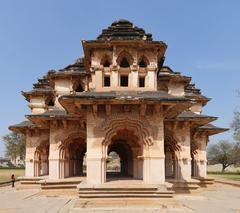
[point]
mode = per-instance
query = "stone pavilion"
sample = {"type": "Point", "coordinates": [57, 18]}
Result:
{"type": "Point", "coordinates": [119, 98]}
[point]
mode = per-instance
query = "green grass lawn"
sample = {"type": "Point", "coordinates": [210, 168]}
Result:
{"type": "Point", "coordinates": [5, 174]}
{"type": "Point", "coordinates": [227, 175]}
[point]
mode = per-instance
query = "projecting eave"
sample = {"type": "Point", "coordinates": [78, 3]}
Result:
{"type": "Point", "coordinates": [210, 129]}
{"type": "Point", "coordinates": [199, 98]}
{"type": "Point", "coordinates": [72, 103]}
{"type": "Point", "coordinates": [194, 118]}
{"type": "Point", "coordinates": [23, 127]}
{"type": "Point", "coordinates": [44, 119]}
{"type": "Point", "coordinates": [37, 92]}
{"type": "Point", "coordinates": [174, 77]}
{"type": "Point", "coordinates": [123, 97]}
{"type": "Point", "coordinates": [71, 73]}
{"type": "Point", "coordinates": [51, 115]}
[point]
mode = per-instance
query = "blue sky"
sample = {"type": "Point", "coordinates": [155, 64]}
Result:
{"type": "Point", "coordinates": [203, 40]}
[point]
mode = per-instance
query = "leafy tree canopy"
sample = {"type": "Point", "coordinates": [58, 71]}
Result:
{"type": "Point", "coordinates": [15, 144]}
{"type": "Point", "coordinates": [225, 153]}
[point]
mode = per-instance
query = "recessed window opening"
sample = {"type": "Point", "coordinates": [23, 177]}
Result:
{"type": "Point", "coordinates": [79, 88]}
{"type": "Point", "coordinates": [142, 63]}
{"type": "Point", "coordinates": [106, 64]}
{"type": "Point", "coordinates": [141, 82]}
{"type": "Point", "coordinates": [124, 80]}
{"type": "Point", "coordinates": [50, 102]}
{"type": "Point", "coordinates": [124, 63]}
{"type": "Point", "coordinates": [107, 82]}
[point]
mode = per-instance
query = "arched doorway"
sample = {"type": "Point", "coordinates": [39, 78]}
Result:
{"type": "Point", "coordinates": [72, 158]}
{"type": "Point", "coordinates": [171, 150]}
{"type": "Point", "coordinates": [127, 147]}
{"type": "Point", "coordinates": [41, 163]}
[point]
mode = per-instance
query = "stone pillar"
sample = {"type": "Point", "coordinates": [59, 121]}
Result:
{"type": "Point", "coordinates": [184, 158]}
{"type": "Point", "coordinates": [99, 79]}
{"type": "Point", "coordinates": [133, 77]}
{"type": "Point", "coordinates": [136, 164]}
{"type": "Point", "coordinates": [96, 163]}
{"type": "Point", "coordinates": [30, 151]}
{"type": "Point", "coordinates": [114, 78]}
{"type": "Point", "coordinates": [153, 163]}
{"type": "Point", "coordinates": [202, 156]}
{"type": "Point", "coordinates": [151, 80]}
{"type": "Point", "coordinates": [54, 161]}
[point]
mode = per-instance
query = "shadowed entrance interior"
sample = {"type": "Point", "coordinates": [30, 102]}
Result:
{"type": "Point", "coordinates": [72, 158]}
{"type": "Point", "coordinates": [123, 152]}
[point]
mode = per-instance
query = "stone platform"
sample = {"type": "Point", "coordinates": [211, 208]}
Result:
{"type": "Point", "coordinates": [128, 188]}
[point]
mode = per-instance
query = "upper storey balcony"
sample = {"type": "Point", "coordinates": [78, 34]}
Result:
{"type": "Point", "coordinates": [123, 58]}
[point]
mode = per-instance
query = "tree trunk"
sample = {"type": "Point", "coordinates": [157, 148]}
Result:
{"type": "Point", "coordinates": [224, 167]}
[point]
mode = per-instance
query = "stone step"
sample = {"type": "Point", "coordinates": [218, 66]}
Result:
{"type": "Point", "coordinates": [27, 186]}
{"type": "Point", "coordinates": [120, 186]}
{"type": "Point", "coordinates": [129, 195]}
{"type": "Point", "coordinates": [29, 182]}
{"type": "Point", "coordinates": [58, 186]}
{"type": "Point", "coordinates": [124, 192]}
{"type": "Point", "coordinates": [54, 182]}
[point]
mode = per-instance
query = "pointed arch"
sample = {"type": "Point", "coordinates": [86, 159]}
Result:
{"type": "Point", "coordinates": [78, 86]}
{"type": "Point", "coordinates": [50, 101]}
{"type": "Point", "coordinates": [106, 61]}
{"type": "Point", "coordinates": [143, 61]}
{"type": "Point", "coordinates": [125, 59]}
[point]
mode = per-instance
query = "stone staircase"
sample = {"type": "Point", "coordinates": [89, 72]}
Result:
{"type": "Point", "coordinates": [59, 184]}
{"type": "Point", "coordinates": [205, 182]}
{"type": "Point", "coordinates": [59, 187]}
{"type": "Point", "coordinates": [29, 183]}
{"type": "Point", "coordinates": [124, 191]}
{"type": "Point", "coordinates": [183, 186]}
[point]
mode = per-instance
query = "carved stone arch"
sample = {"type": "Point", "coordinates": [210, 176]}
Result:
{"type": "Point", "coordinates": [113, 125]}
{"type": "Point", "coordinates": [78, 85]}
{"type": "Point", "coordinates": [194, 147]}
{"type": "Point", "coordinates": [42, 141]}
{"type": "Point", "coordinates": [143, 61]}
{"type": "Point", "coordinates": [171, 143]}
{"type": "Point", "coordinates": [67, 136]}
{"type": "Point", "coordinates": [124, 56]}
{"type": "Point", "coordinates": [106, 61]}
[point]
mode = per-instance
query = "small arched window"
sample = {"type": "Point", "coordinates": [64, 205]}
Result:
{"type": "Point", "coordinates": [106, 64]}
{"type": "Point", "coordinates": [106, 61]}
{"type": "Point", "coordinates": [79, 88]}
{"type": "Point", "coordinates": [143, 62]}
{"type": "Point", "coordinates": [124, 62]}
{"type": "Point", "coordinates": [50, 102]}
{"type": "Point", "coordinates": [124, 59]}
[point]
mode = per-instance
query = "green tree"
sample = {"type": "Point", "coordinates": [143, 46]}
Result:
{"type": "Point", "coordinates": [15, 145]}
{"type": "Point", "coordinates": [225, 153]}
